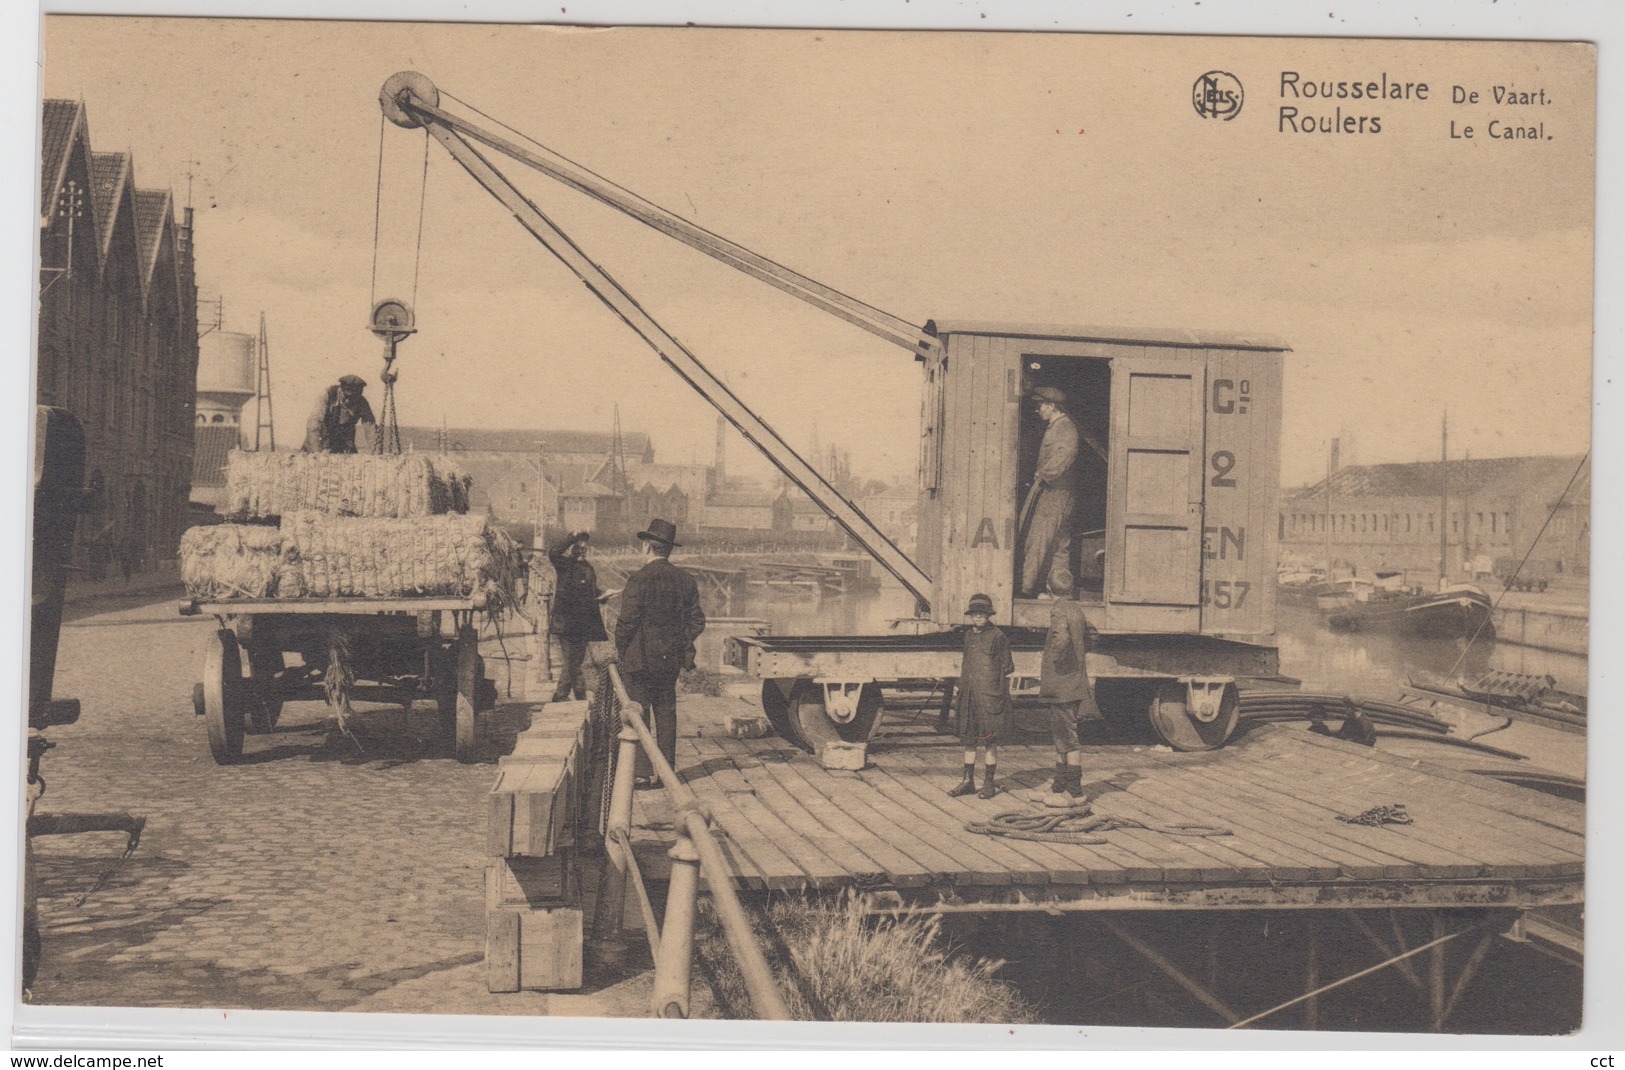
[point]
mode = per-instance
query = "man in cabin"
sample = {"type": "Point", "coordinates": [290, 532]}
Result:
{"type": "Point", "coordinates": [1046, 515]}
{"type": "Point", "coordinates": [341, 413]}
{"type": "Point", "coordinates": [659, 621]}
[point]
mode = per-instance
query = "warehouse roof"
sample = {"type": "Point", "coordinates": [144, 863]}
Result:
{"type": "Point", "coordinates": [527, 440]}
{"type": "Point", "coordinates": [62, 119]}
{"type": "Point", "coordinates": [210, 445]}
{"type": "Point", "coordinates": [1423, 479]}
{"type": "Point", "coordinates": [1171, 336]}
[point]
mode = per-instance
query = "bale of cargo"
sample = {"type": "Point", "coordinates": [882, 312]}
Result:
{"type": "Point", "coordinates": [223, 561]}
{"type": "Point", "coordinates": [268, 484]}
{"type": "Point", "coordinates": [379, 557]}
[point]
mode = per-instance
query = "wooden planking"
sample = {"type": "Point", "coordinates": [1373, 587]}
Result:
{"type": "Point", "coordinates": [1064, 864]}
{"type": "Point", "coordinates": [774, 869]}
{"type": "Point", "coordinates": [817, 794]}
{"type": "Point", "coordinates": [1563, 814]}
{"type": "Point", "coordinates": [653, 814]}
{"type": "Point", "coordinates": [846, 860]}
{"type": "Point", "coordinates": [1294, 794]}
{"type": "Point", "coordinates": [1532, 842]}
{"type": "Point", "coordinates": [785, 859]}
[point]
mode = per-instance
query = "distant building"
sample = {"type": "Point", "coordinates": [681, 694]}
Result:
{"type": "Point", "coordinates": [1386, 517]}
{"type": "Point", "coordinates": [896, 513]}
{"type": "Point", "coordinates": [118, 342]}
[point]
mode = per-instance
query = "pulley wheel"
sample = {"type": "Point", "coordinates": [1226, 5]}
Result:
{"type": "Point", "coordinates": [814, 727]}
{"type": "Point", "coordinates": [1173, 721]}
{"type": "Point", "coordinates": [389, 97]}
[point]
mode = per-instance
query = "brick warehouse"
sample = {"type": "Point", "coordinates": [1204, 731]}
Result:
{"type": "Point", "coordinates": [118, 341]}
{"type": "Point", "coordinates": [1386, 516]}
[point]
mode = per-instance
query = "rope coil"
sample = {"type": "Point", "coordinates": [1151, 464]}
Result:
{"type": "Point", "coordinates": [1078, 825]}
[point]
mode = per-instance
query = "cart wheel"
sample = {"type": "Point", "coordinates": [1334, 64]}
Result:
{"type": "Point", "coordinates": [813, 727]}
{"type": "Point", "coordinates": [1181, 729]}
{"type": "Point", "coordinates": [223, 697]}
{"type": "Point", "coordinates": [468, 677]}
{"type": "Point", "coordinates": [265, 689]}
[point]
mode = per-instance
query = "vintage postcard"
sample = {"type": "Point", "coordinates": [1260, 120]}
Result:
{"type": "Point", "coordinates": [822, 525]}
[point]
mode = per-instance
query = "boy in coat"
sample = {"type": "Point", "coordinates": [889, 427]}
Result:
{"type": "Point", "coordinates": [1063, 687]}
{"type": "Point", "coordinates": [984, 696]}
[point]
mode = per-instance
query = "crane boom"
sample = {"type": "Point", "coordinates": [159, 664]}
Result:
{"type": "Point", "coordinates": [411, 100]}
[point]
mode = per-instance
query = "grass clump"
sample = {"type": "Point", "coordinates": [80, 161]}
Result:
{"type": "Point", "coordinates": [837, 960]}
{"type": "Point", "coordinates": [698, 681]}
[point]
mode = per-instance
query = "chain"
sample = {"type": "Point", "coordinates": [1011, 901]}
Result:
{"type": "Point", "coordinates": [387, 432]}
{"type": "Point", "coordinates": [130, 845]}
{"type": "Point", "coordinates": [1378, 816]}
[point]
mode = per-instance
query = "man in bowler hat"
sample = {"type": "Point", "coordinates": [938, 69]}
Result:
{"type": "Point", "coordinates": [659, 621]}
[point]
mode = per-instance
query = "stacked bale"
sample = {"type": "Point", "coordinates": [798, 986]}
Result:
{"type": "Point", "coordinates": [367, 557]}
{"type": "Point", "coordinates": [349, 526]}
{"type": "Point", "coordinates": [231, 561]}
{"type": "Point", "coordinates": [342, 484]}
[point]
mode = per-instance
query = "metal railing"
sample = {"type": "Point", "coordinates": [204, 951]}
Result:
{"type": "Point", "coordinates": [695, 854]}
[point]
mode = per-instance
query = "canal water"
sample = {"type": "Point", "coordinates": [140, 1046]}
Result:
{"type": "Point", "coordinates": [1374, 665]}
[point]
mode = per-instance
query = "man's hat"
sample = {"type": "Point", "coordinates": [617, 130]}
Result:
{"type": "Point", "coordinates": [661, 531]}
{"type": "Point", "coordinates": [1047, 393]}
{"type": "Point", "coordinates": [979, 603]}
{"type": "Point", "coordinates": [352, 380]}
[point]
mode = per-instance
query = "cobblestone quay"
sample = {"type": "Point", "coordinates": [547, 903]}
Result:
{"type": "Point", "coordinates": [323, 873]}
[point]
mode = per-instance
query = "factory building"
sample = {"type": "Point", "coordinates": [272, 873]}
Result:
{"type": "Point", "coordinates": [117, 342]}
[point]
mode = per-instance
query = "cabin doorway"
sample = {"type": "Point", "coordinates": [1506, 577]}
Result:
{"type": "Point", "coordinates": [1069, 561]}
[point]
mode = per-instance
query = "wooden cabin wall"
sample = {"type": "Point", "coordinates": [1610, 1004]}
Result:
{"type": "Point", "coordinates": [927, 547]}
{"type": "Point", "coordinates": [1154, 510]}
{"type": "Point", "coordinates": [1240, 487]}
{"type": "Point", "coordinates": [976, 496]}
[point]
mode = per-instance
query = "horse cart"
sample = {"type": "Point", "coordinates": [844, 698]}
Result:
{"type": "Point", "coordinates": [397, 650]}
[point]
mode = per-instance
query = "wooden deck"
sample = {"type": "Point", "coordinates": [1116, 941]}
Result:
{"type": "Point", "coordinates": [789, 824]}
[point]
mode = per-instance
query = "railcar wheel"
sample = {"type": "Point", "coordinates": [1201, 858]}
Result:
{"type": "Point", "coordinates": [1182, 729]}
{"type": "Point", "coordinates": [813, 725]}
{"type": "Point", "coordinates": [224, 697]}
{"type": "Point", "coordinates": [265, 665]}
{"type": "Point", "coordinates": [776, 705]}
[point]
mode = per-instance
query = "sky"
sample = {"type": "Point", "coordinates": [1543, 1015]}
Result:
{"type": "Point", "coordinates": [1029, 178]}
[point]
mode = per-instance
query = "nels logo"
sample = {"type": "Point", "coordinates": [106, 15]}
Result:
{"type": "Point", "coordinates": [1217, 95]}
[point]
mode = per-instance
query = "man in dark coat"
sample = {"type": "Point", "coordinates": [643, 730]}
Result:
{"type": "Point", "coordinates": [576, 619]}
{"type": "Point", "coordinates": [341, 413]}
{"type": "Point", "coordinates": [1063, 687]}
{"type": "Point", "coordinates": [659, 620]}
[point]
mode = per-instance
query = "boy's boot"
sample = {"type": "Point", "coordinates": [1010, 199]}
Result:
{"type": "Point", "coordinates": [967, 783]}
{"type": "Point", "coordinates": [1059, 783]}
{"type": "Point", "coordinates": [988, 790]}
{"type": "Point", "coordinates": [1074, 781]}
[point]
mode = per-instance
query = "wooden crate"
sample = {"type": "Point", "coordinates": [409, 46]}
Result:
{"type": "Point", "coordinates": [533, 924]}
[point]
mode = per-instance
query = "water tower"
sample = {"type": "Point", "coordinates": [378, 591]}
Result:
{"type": "Point", "coordinates": [226, 377]}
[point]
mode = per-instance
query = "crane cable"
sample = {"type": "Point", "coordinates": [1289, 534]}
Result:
{"type": "Point", "coordinates": [387, 430]}
{"type": "Point", "coordinates": [1561, 498]}
{"type": "Point", "coordinates": [718, 244]}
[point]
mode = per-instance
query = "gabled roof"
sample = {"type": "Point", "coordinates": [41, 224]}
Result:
{"type": "Point", "coordinates": [63, 120]}
{"type": "Point", "coordinates": [152, 216]}
{"type": "Point", "coordinates": [109, 173]}
{"type": "Point", "coordinates": [1423, 479]}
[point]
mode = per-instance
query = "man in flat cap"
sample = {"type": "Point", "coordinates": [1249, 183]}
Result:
{"type": "Point", "coordinates": [659, 621]}
{"type": "Point", "coordinates": [1046, 515]}
{"type": "Point", "coordinates": [341, 413]}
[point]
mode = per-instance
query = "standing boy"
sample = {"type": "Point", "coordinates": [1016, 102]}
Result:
{"type": "Point", "coordinates": [984, 695]}
{"type": "Point", "coordinates": [1063, 687]}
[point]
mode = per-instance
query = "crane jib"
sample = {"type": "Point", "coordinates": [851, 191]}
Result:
{"type": "Point", "coordinates": [411, 100]}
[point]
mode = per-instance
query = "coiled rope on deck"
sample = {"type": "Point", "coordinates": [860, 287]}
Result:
{"type": "Point", "coordinates": [1078, 825]}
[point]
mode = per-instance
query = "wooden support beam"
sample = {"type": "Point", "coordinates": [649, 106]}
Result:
{"type": "Point", "coordinates": [1436, 993]}
{"type": "Point", "coordinates": [1311, 973]}
{"type": "Point", "coordinates": [1468, 970]}
{"type": "Point", "coordinates": [1167, 966]}
{"type": "Point", "coordinates": [1405, 968]}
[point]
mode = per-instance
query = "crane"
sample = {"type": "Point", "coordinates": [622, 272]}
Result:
{"type": "Point", "coordinates": [412, 101]}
